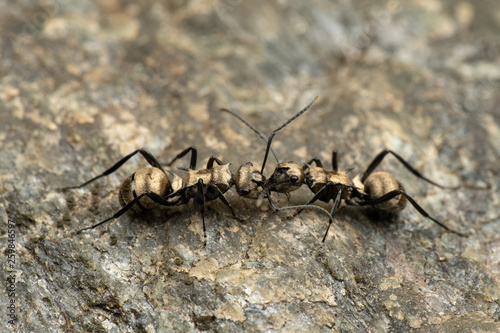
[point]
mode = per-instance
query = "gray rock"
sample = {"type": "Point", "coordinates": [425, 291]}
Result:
{"type": "Point", "coordinates": [83, 84]}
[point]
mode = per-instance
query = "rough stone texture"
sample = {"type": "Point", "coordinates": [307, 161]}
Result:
{"type": "Point", "coordinates": [85, 83]}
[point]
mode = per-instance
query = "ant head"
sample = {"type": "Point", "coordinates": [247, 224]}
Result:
{"type": "Point", "coordinates": [249, 181]}
{"type": "Point", "coordinates": [287, 177]}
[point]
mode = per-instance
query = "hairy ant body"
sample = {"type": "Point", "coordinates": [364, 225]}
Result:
{"type": "Point", "coordinates": [380, 190]}
{"type": "Point", "coordinates": [145, 189]}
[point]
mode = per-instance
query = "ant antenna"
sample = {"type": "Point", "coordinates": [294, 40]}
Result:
{"type": "Point", "coordinates": [270, 139]}
{"type": "Point", "coordinates": [259, 133]}
{"type": "Point", "coordinates": [318, 208]}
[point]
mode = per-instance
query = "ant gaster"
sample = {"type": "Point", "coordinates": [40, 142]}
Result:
{"type": "Point", "coordinates": [380, 190]}
{"type": "Point", "coordinates": [145, 189]}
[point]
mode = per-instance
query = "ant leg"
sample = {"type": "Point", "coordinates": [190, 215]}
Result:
{"type": "Point", "coordinates": [153, 196]}
{"type": "Point", "coordinates": [194, 153]}
{"type": "Point", "coordinates": [328, 187]}
{"type": "Point", "coordinates": [335, 207]}
{"type": "Point", "coordinates": [270, 139]}
{"type": "Point", "coordinates": [388, 196]}
{"type": "Point", "coordinates": [271, 202]}
{"type": "Point", "coordinates": [322, 191]}
{"type": "Point", "coordinates": [199, 202]}
{"type": "Point", "coordinates": [146, 154]}
{"type": "Point", "coordinates": [316, 161]}
{"type": "Point", "coordinates": [335, 163]}
{"type": "Point", "coordinates": [309, 206]}
{"type": "Point", "coordinates": [276, 209]}
{"type": "Point", "coordinates": [319, 164]}
{"type": "Point", "coordinates": [213, 192]}
{"type": "Point", "coordinates": [321, 209]}
{"type": "Point", "coordinates": [182, 197]}
{"type": "Point", "coordinates": [376, 161]}
{"type": "Point", "coordinates": [259, 133]}
{"type": "Point", "coordinates": [211, 160]}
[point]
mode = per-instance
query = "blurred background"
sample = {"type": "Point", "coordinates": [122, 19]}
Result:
{"type": "Point", "coordinates": [84, 83]}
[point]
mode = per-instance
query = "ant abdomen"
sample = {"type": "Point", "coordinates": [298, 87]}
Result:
{"type": "Point", "coordinates": [380, 183]}
{"type": "Point", "coordinates": [147, 180]}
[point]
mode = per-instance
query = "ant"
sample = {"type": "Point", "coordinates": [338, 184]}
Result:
{"type": "Point", "coordinates": [150, 187]}
{"type": "Point", "coordinates": [380, 190]}
{"type": "Point", "coordinates": [145, 189]}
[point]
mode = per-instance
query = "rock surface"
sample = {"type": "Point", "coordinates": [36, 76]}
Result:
{"type": "Point", "coordinates": [84, 83]}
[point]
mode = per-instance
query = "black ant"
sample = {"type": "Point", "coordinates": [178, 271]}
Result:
{"type": "Point", "coordinates": [208, 184]}
{"type": "Point", "coordinates": [380, 190]}
{"type": "Point", "coordinates": [145, 189]}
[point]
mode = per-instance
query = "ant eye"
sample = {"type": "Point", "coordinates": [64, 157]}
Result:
{"type": "Point", "coordinates": [294, 179]}
{"type": "Point", "coordinates": [245, 191]}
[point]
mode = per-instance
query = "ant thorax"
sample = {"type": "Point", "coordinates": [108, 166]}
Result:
{"type": "Point", "coordinates": [176, 183]}
{"type": "Point", "coordinates": [143, 180]}
{"type": "Point", "coordinates": [249, 182]}
{"type": "Point", "coordinates": [317, 177]}
{"type": "Point", "coordinates": [219, 175]}
{"type": "Point", "coordinates": [287, 177]}
{"type": "Point", "coordinates": [380, 183]}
